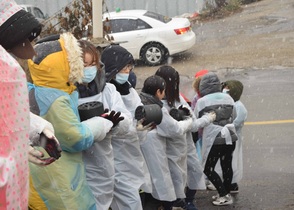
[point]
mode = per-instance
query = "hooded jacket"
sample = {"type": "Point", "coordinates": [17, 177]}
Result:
{"type": "Point", "coordinates": [55, 69]}
{"type": "Point", "coordinates": [221, 131]}
{"type": "Point", "coordinates": [115, 58]}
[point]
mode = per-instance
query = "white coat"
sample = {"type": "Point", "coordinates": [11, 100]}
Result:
{"type": "Point", "coordinates": [154, 151]}
{"type": "Point", "coordinates": [98, 159]}
{"type": "Point", "coordinates": [237, 163]}
{"type": "Point", "coordinates": [130, 166]}
{"type": "Point", "coordinates": [195, 175]}
{"type": "Point", "coordinates": [176, 148]}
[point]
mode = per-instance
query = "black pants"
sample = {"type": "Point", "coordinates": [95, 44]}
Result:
{"type": "Point", "coordinates": [224, 153]}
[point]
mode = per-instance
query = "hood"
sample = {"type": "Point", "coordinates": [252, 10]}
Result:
{"type": "Point", "coordinates": [16, 25]}
{"type": "Point", "coordinates": [209, 84]}
{"type": "Point", "coordinates": [58, 63]}
{"type": "Point", "coordinates": [236, 89]}
{"type": "Point", "coordinates": [115, 58]}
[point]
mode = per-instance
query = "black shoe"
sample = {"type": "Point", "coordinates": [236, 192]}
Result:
{"type": "Point", "coordinates": [190, 206]}
{"type": "Point", "coordinates": [179, 204]}
{"type": "Point", "coordinates": [234, 188]}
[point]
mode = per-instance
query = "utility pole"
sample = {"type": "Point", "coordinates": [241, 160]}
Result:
{"type": "Point", "coordinates": [97, 18]}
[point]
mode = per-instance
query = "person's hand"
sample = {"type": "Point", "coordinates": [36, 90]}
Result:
{"type": "Point", "coordinates": [185, 110]}
{"type": "Point", "coordinates": [141, 127]}
{"type": "Point", "coordinates": [49, 142]}
{"type": "Point", "coordinates": [113, 116]}
{"type": "Point", "coordinates": [36, 157]}
{"type": "Point", "coordinates": [211, 116]}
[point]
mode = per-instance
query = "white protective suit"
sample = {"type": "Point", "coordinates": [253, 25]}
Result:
{"type": "Point", "coordinates": [176, 149]}
{"type": "Point", "coordinates": [154, 151]}
{"type": "Point", "coordinates": [237, 163]}
{"type": "Point", "coordinates": [130, 169]}
{"type": "Point", "coordinates": [98, 159]}
{"type": "Point", "coordinates": [195, 178]}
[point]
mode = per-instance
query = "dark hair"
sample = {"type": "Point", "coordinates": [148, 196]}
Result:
{"type": "Point", "coordinates": [152, 84]}
{"type": "Point", "coordinates": [172, 80]}
{"type": "Point", "coordinates": [88, 47]}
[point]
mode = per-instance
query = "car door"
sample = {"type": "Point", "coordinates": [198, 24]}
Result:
{"type": "Point", "coordinates": [130, 34]}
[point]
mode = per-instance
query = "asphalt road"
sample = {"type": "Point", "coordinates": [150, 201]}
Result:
{"type": "Point", "coordinates": [268, 179]}
{"type": "Point", "coordinates": [257, 48]}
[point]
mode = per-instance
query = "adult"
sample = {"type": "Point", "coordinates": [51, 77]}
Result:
{"type": "Point", "coordinates": [55, 69]}
{"type": "Point", "coordinates": [17, 125]}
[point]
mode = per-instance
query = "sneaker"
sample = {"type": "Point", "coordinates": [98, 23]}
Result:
{"type": "Point", "coordinates": [234, 188]}
{"type": "Point", "coordinates": [215, 197]}
{"type": "Point", "coordinates": [178, 208]}
{"type": "Point", "coordinates": [190, 206]}
{"type": "Point", "coordinates": [210, 186]}
{"type": "Point", "coordinates": [223, 201]}
{"type": "Point", "coordinates": [179, 204]}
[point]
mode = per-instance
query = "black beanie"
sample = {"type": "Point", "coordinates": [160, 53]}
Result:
{"type": "Point", "coordinates": [19, 27]}
{"type": "Point", "coordinates": [115, 58]}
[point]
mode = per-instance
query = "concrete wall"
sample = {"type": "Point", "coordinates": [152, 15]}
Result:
{"type": "Point", "coordinates": [166, 7]}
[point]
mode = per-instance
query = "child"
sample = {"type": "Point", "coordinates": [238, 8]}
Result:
{"type": "Point", "coordinates": [235, 88]}
{"type": "Point", "coordinates": [154, 146]}
{"type": "Point", "coordinates": [184, 165]}
{"type": "Point", "coordinates": [219, 138]}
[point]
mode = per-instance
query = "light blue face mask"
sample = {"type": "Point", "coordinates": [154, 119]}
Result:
{"type": "Point", "coordinates": [89, 74]}
{"type": "Point", "coordinates": [121, 78]}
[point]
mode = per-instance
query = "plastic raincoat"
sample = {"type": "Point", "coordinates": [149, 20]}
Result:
{"type": "Point", "coordinates": [99, 160]}
{"type": "Point", "coordinates": [131, 172]}
{"type": "Point", "coordinates": [14, 134]}
{"type": "Point", "coordinates": [237, 163]}
{"type": "Point", "coordinates": [55, 69]}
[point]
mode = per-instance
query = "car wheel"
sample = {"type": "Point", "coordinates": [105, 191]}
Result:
{"type": "Point", "coordinates": [153, 54]}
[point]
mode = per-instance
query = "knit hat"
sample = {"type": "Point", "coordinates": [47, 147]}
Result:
{"type": "Point", "coordinates": [197, 79]}
{"type": "Point", "coordinates": [16, 25]}
{"type": "Point", "coordinates": [236, 89]}
{"type": "Point", "coordinates": [201, 73]}
{"type": "Point", "coordinates": [58, 63]}
{"type": "Point", "coordinates": [115, 58]}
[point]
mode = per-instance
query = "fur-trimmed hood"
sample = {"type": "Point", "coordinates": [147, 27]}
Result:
{"type": "Point", "coordinates": [58, 63]}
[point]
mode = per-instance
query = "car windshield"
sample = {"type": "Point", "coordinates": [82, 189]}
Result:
{"type": "Point", "coordinates": [162, 18]}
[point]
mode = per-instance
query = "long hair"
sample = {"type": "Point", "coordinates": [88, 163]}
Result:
{"type": "Point", "coordinates": [152, 84]}
{"type": "Point", "coordinates": [88, 47]}
{"type": "Point", "coordinates": [172, 80]}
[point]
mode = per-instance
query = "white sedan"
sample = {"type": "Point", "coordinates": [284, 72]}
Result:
{"type": "Point", "coordinates": [149, 36]}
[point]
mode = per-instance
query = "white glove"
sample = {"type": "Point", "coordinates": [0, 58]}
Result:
{"type": "Point", "coordinates": [141, 127]}
{"type": "Point", "coordinates": [211, 116]}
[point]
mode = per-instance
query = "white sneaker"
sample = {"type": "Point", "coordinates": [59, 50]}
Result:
{"type": "Point", "coordinates": [223, 201]}
{"type": "Point", "coordinates": [210, 186]}
{"type": "Point", "coordinates": [215, 197]}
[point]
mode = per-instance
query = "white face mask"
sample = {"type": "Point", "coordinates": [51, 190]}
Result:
{"type": "Point", "coordinates": [89, 74]}
{"type": "Point", "coordinates": [225, 90]}
{"type": "Point", "coordinates": [121, 78]}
